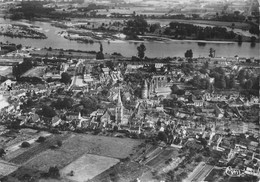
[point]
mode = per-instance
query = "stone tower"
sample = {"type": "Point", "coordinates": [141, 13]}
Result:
{"type": "Point", "coordinates": [145, 90]}
{"type": "Point", "coordinates": [119, 109]}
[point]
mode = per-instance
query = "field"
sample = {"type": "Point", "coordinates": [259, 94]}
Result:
{"type": "Point", "coordinates": [202, 22]}
{"type": "Point", "coordinates": [35, 150]}
{"type": "Point", "coordinates": [88, 166]}
{"type": "Point", "coordinates": [6, 70]}
{"type": "Point", "coordinates": [80, 144]}
{"type": "Point", "coordinates": [35, 72]}
{"type": "Point", "coordinates": [6, 168]}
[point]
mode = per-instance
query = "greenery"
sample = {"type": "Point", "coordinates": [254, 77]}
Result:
{"type": "Point", "coordinates": [20, 69]}
{"type": "Point", "coordinates": [47, 111]}
{"type": "Point", "coordinates": [54, 172]}
{"type": "Point", "coordinates": [65, 78]}
{"type": "Point", "coordinates": [29, 10]}
{"type": "Point", "coordinates": [65, 103]}
{"type": "Point", "coordinates": [25, 145]}
{"type": "Point", "coordinates": [135, 27]}
{"type": "Point", "coordinates": [141, 51]}
{"type": "Point", "coordinates": [188, 54]}
{"type": "Point", "coordinates": [2, 152]}
{"type": "Point", "coordinates": [100, 54]}
{"type": "Point", "coordinates": [41, 139]}
{"type": "Point", "coordinates": [182, 31]}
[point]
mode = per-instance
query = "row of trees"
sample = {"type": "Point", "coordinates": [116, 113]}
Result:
{"type": "Point", "coordinates": [202, 33]}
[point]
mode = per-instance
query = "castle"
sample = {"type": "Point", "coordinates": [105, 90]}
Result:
{"type": "Point", "coordinates": [157, 86]}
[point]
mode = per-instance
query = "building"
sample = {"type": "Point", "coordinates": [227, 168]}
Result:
{"type": "Point", "coordinates": [158, 86]}
{"type": "Point", "coordinates": [119, 110]}
{"type": "Point", "coordinates": [145, 90]}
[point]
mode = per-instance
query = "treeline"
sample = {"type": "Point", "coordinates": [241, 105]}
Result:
{"type": "Point", "coordinates": [244, 80]}
{"type": "Point", "coordinates": [181, 30]}
{"type": "Point", "coordinates": [135, 27]}
{"type": "Point", "coordinates": [91, 7]}
{"type": "Point", "coordinates": [29, 10]}
{"type": "Point", "coordinates": [20, 69]}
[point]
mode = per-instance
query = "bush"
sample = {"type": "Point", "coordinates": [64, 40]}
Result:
{"type": "Point", "coordinates": [54, 172]}
{"type": "Point", "coordinates": [41, 139]}
{"type": "Point", "coordinates": [25, 145]}
{"type": "Point", "coordinates": [2, 152]}
{"type": "Point", "coordinates": [59, 143]}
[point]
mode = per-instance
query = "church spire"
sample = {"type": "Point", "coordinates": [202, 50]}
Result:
{"type": "Point", "coordinates": [119, 101]}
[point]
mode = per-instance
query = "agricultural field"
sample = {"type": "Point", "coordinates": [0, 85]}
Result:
{"type": "Point", "coordinates": [80, 144]}
{"type": "Point", "coordinates": [37, 149]}
{"type": "Point", "coordinates": [87, 167]}
{"type": "Point", "coordinates": [237, 25]}
{"type": "Point", "coordinates": [6, 168]}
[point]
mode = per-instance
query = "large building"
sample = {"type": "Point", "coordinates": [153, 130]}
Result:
{"type": "Point", "coordinates": [158, 86]}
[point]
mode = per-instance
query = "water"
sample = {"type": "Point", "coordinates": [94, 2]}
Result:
{"type": "Point", "coordinates": [174, 48]}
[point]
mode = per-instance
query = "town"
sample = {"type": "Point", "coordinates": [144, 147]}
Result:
{"type": "Point", "coordinates": [129, 91]}
{"type": "Point", "coordinates": [71, 115]}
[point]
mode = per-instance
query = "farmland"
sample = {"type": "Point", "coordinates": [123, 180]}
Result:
{"type": "Point", "coordinates": [6, 168]}
{"type": "Point", "coordinates": [33, 151]}
{"type": "Point", "coordinates": [89, 156]}
{"type": "Point", "coordinates": [78, 145]}
{"type": "Point", "coordinates": [88, 166]}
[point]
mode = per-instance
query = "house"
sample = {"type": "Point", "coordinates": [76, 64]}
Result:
{"type": "Point", "coordinates": [218, 112]}
{"type": "Point", "coordinates": [106, 118]}
{"type": "Point", "coordinates": [55, 121]}
{"type": "Point", "coordinates": [196, 103]}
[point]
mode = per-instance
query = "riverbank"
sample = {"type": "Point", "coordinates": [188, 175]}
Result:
{"type": "Point", "coordinates": [173, 48]}
{"type": "Point", "coordinates": [21, 31]}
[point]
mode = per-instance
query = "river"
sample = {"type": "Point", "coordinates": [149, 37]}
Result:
{"type": "Point", "coordinates": [172, 48]}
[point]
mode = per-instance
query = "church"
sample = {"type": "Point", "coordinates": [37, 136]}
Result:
{"type": "Point", "coordinates": [157, 86]}
{"type": "Point", "coordinates": [122, 115]}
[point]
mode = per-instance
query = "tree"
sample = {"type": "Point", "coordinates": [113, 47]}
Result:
{"type": "Point", "coordinates": [239, 39]}
{"type": "Point", "coordinates": [223, 84]}
{"type": "Point", "coordinates": [253, 40]}
{"type": "Point", "coordinates": [249, 84]}
{"type": "Point", "coordinates": [25, 145]}
{"type": "Point", "coordinates": [41, 139]}
{"type": "Point", "coordinates": [65, 78]}
{"type": "Point", "coordinates": [136, 26]}
{"type": "Point", "coordinates": [47, 111]}
{"type": "Point", "coordinates": [54, 172]}
{"type": "Point", "coordinates": [188, 54]}
{"type": "Point", "coordinates": [232, 82]}
{"type": "Point", "coordinates": [100, 54]}
{"type": "Point", "coordinates": [211, 53]}
{"type": "Point", "coordinates": [59, 143]}
{"type": "Point", "coordinates": [154, 27]}
{"type": "Point", "coordinates": [2, 152]}
{"type": "Point", "coordinates": [162, 136]}
{"type": "Point", "coordinates": [141, 51]}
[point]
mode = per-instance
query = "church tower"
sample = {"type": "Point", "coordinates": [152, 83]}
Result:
{"type": "Point", "coordinates": [119, 109]}
{"type": "Point", "coordinates": [145, 90]}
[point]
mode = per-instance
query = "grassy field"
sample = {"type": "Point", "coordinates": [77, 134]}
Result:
{"type": "Point", "coordinates": [80, 144]}
{"type": "Point", "coordinates": [6, 168]}
{"type": "Point", "coordinates": [87, 167]}
{"type": "Point", "coordinates": [238, 25]}
{"type": "Point", "coordinates": [37, 149]}
{"type": "Point", "coordinates": [35, 72]}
